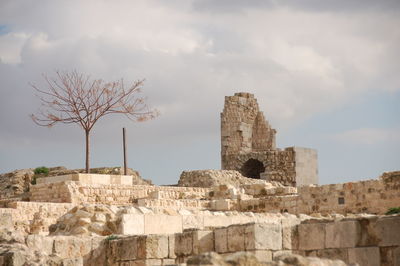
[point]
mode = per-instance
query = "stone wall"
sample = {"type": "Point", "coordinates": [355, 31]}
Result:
{"type": "Point", "coordinates": [211, 178]}
{"type": "Point", "coordinates": [243, 127]}
{"type": "Point", "coordinates": [248, 146]}
{"type": "Point", "coordinates": [367, 241]}
{"type": "Point", "coordinates": [371, 196]}
{"type": "Point", "coordinates": [76, 192]}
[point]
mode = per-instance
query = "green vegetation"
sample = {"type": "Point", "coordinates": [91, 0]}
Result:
{"type": "Point", "coordinates": [39, 172]}
{"type": "Point", "coordinates": [111, 237]}
{"type": "Point", "coordinates": [393, 210]}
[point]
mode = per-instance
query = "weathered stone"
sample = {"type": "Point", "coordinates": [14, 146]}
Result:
{"type": "Point", "coordinates": [263, 236]}
{"type": "Point", "coordinates": [162, 224]}
{"type": "Point", "coordinates": [236, 238]}
{"type": "Point", "coordinates": [368, 256]}
{"type": "Point", "coordinates": [290, 233]}
{"type": "Point", "coordinates": [343, 234]}
{"type": "Point", "coordinates": [221, 240]}
{"type": "Point", "coordinates": [203, 241]}
{"type": "Point", "coordinates": [311, 236]}
{"type": "Point", "coordinates": [184, 243]}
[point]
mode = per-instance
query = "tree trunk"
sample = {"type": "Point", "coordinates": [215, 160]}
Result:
{"type": "Point", "coordinates": [87, 151]}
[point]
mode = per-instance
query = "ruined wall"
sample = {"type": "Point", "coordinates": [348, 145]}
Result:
{"type": "Point", "coordinates": [243, 127]}
{"type": "Point", "coordinates": [279, 164]}
{"type": "Point", "coordinates": [367, 241]}
{"type": "Point", "coordinates": [371, 196]}
{"type": "Point", "coordinates": [248, 146]}
{"type": "Point", "coordinates": [76, 192]}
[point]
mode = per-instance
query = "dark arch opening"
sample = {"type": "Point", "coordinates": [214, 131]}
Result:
{"type": "Point", "coordinates": [252, 168]}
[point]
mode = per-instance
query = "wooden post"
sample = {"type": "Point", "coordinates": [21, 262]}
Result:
{"type": "Point", "coordinates": [124, 143]}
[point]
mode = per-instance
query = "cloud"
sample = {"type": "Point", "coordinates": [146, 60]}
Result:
{"type": "Point", "coordinates": [369, 136]}
{"type": "Point", "coordinates": [299, 60]}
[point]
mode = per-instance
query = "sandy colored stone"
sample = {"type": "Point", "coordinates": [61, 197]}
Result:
{"type": "Point", "coordinates": [221, 240]}
{"type": "Point", "coordinates": [263, 236]}
{"type": "Point", "coordinates": [203, 241]}
{"type": "Point", "coordinates": [368, 256]}
{"type": "Point", "coordinates": [236, 236]}
{"type": "Point", "coordinates": [311, 236]}
{"type": "Point", "coordinates": [184, 243]}
{"type": "Point", "coordinates": [343, 234]}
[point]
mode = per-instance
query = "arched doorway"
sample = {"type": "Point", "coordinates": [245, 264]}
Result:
{"type": "Point", "coordinates": [252, 168]}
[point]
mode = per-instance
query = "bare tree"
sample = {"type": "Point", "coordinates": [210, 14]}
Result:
{"type": "Point", "coordinates": [74, 98]}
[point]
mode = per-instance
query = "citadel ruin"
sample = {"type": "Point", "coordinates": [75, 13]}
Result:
{"type": "Point", "coordinates": [264, 207]}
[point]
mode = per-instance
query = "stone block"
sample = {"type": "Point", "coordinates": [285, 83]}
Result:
{"type": "Point", "coordinates": [131, 224]}
{"type": "Point", "coordinates": [221, 240]}
{"type": "Point", "coordinates": [184, 243]}
{"type": "Point", "coordinates": [342, 234]}
{"type": "Point", "coordinates": [311, 236]}
{"type": "Point", "coordinates": [262, 255]}
{"type": "Point", "coordinates": [171, 246]}
{"type": "Point", "coordinates": [390, 256]}
{"type": "Point", "coordinates": [217, 220]}
{"type": "Point", "coordinates": [44, 243]}
{"type": "Point", "coordinates": [368, 256]}
{"type": "Point", "coordinates": [263, 236]}
{"type": "Point", "coordinates": [203, 241]}
{"type": "Point", "coordinates": [146, 262]}
{"type": "Point", "coordinates": [168, 262]}
{"type": "Point", "coordinates": [192, 222]}
{"type": "Point", "coordinates": [290, 233]}
{"type": "Point", "coordinates": [71, 247]}
{"type": "Point", "coordinates": [162, 224]}
{"type": "Point", "coordinates": [6, 221]}
{"type": "Point", "coordinates": [334, 254]}
{"type": "Point", "coordinates": [236, 238]}
{"type": "Point", "coordinates": [152, 247]}
{"type": "Point", "coordinates": [388, 230]}
{"type": "Point", "coordinates": [123, 249]}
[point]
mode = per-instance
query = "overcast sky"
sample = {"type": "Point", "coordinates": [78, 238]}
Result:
{"type": "Point", "coordinates": [325, 73]}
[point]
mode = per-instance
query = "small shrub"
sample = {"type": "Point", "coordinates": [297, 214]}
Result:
{"type": "Point", "coordinates": [111, 237]}
{"type": "Point", "coordinates": [41, 170]}
{"type": "Point", "coordinates": [393, 210]}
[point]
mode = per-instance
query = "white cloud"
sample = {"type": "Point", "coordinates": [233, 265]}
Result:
{"type": "Point", "coordinates": [369, 136]}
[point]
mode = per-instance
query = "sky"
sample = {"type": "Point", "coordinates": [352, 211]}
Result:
{"type": "Point", "coordinates": [325, 73]}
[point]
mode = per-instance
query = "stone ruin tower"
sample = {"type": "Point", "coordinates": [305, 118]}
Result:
{"type": "Point", "coordinates": [248, 146]}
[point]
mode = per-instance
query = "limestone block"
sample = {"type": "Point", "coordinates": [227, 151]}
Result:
{"type": "Point", "coordinates": [263, 236]}
{"type": "Point", "coordinates": [390, 256]}
{"type": "Point", "coordinates": [43, 243]}
{"type": "Point", "coordinates": [278, 253]}
{"type": "Point", "coordinates": [388, 230]}
{"type": "Point", "coordinates": [236, 238]}
{"type": "Point", "coordinates": [131, 224]}
{"type": "Point", "coordinates": [146, 262]}
{"type": "Point", "coordinates": [152, 246]}
{"type": "Point", "coordinates": [162, 224]}
{"type": "Point", "coordinates": [171, 246]}
{"type": "Point", "coordinates": [290, 233]}
{"type": "Point", "coordinates": [184, 243]}
{"type": "Point", "coordinates": [192, 221]}
{"type": "Point", "coordinates": [343, 234]}
{"type": "Point", "coordinates": [168, 262]}
{"type": "Point", "coordinates": [221, 240]}
{"type": "Point", "coordinates": [262, 255]}
{"type": "Point", "coordinates": [71, 247]}
{"type": "Point", "coordinates": [217, 220]}
{"type": "Point", "coordinates": [6, 221]}
{"type": "Point", "coordinates": [334, 254]}
{"type": "Point", "coordinates": [311, 236]}
{"type": "Point", "coordinates": [124, 249]}
{"type": "Point", "coordinates": [368, 256]}
{"type": "Point", "coordinates": [203, 241]}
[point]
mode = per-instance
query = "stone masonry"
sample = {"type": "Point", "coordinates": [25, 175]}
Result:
{"type": "Point", "coordinates": [248, 146]}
